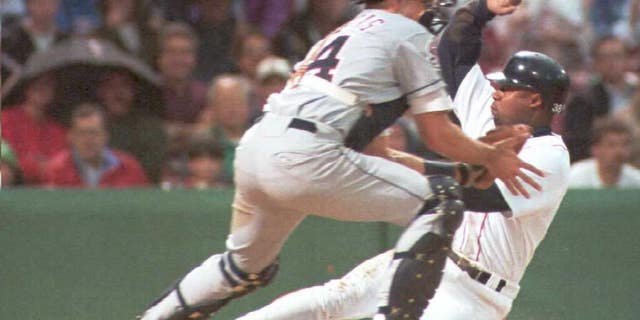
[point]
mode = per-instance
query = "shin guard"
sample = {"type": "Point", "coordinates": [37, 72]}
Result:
{"type": "Point", "coordinates": [421, 253]}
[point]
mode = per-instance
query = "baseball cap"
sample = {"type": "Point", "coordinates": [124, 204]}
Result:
{"type": "Point", "coordinates": [273, 67]}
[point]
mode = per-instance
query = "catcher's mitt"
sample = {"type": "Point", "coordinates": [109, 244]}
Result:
{"type": "Point", "coordinates": [479, 177]}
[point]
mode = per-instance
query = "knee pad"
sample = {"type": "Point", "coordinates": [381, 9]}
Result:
{"type": "Point", "coordinates": [416, 278]}
{"type": "Point", "coordinates": [419, 270]}
{"type": "Point", "coordinates": [445, 187]}
{"type": "Point", "coordinates": [446, 203]}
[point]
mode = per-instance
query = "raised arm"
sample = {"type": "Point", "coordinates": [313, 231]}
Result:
{"type": "Point", "coordinates": [460, 44]}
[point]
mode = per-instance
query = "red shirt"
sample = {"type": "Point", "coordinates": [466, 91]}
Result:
{"type": "Point", "coordinates": [63, 172]}
{"type": "Point", "coordinates": [34, 142]}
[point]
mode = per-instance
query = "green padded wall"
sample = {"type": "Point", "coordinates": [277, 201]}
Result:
{"type": "Point", "coordinates": [106, 254]}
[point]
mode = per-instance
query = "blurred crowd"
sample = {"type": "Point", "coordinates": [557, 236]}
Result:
{"type": "Point", "coordinates": [127, 93]}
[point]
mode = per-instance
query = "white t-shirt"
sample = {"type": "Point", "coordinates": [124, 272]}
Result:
{"type": "Point", "coordinates": [584, 174]}
{"type": "Point", "coordinates": [504, 243]}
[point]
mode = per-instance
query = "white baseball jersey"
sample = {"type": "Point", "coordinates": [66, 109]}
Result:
{"type": "Point", "coordinates": [501, 243]}
{"type": "Point", "coordinates": [378, 57]}
{"type": "Point", "coordinates": [505, 246]}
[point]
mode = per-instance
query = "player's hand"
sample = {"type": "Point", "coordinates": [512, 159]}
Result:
{"type": "Point", "coordinates": [506, 131]}
{"type": "Point", "coordinates": [476, 176]}
{"type": "Point", "coordinates": [502, 7]}
{"type": "Point", "coordinates": [504, 164]}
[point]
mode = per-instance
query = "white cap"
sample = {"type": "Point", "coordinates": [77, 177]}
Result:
{"type": "Point", "coordinates": [273, 66]}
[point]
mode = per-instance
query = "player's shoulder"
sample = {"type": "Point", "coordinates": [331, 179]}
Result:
{"type": "Point", "coordinates": [552, 143]}
{"type": "Point", "coordinates": [549, 150]}
{"type": "Point", "coordinates": [396, 26]}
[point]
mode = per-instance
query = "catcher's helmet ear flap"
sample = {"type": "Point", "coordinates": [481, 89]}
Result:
{"type": "Point", "coordinates": [536, 72]}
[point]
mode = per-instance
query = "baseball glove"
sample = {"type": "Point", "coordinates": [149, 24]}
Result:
{"type": "Point", "coordinates": [479, 177]}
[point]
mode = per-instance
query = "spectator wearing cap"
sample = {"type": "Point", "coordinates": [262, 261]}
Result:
{"type": "Point", "coordinates": [608, 167]}
{"type": "Point", "coordinates": [29, 128]}
{"type": "Point", "coordinates": [226, 117]}
{"type": "Point", "coordinates": [10, 174]}
{"type": "Point", "coordinates": [271, 75]}
{"type": "Point", "coordinates": [89, 162]}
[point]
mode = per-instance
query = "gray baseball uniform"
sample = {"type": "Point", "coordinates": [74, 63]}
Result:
{"type": "Point", "coordinates": [293, 162]}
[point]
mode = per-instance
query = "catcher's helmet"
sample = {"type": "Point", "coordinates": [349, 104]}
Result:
{"type": "Point", "coordinates": [536, 72]}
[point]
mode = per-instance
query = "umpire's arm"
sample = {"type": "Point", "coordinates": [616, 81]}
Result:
{"type": "Point", "coordinates": [460, 44]}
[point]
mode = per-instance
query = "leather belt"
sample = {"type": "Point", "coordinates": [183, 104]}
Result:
{"type": "Point", "coordinates": [473, 272]}
{"type": "Point", "coordinates": [305, 125]}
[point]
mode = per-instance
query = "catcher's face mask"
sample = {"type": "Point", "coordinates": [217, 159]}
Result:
{"type": "Point", "coordinates": [435, 18]}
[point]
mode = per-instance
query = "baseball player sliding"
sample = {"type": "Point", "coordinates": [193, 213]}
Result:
{"type": "Point", "coordinates": [499, 232]}
{"type": "Point", "coordinates": [352, 84]}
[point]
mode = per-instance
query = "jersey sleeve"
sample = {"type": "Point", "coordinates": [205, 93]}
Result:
{"type": "Point", "coordinates": [553, 159]}
{"type": "Point", "coordinates": [472, 103]}
{"type": "Point", "coordinates": [417, 78]}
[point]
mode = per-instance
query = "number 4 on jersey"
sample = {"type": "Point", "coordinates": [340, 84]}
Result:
{"type": "Point", "coordinates": [326, 60]}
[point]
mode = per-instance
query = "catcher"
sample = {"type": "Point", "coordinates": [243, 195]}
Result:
{"type": "Point", "coordinates": [499, 232]}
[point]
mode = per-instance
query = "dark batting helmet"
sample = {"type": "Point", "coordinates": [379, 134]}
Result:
{"type": "Point", "coordinates": [536, 72]}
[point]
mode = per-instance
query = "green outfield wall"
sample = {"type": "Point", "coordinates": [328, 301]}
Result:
{"type": "Point", "coordinates": [105, 254]}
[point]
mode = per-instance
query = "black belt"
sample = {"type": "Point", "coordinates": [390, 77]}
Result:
{"type": "Point", "coordinates": [473, 272]}
{"type": "Point", "coordinates": [305, 125]}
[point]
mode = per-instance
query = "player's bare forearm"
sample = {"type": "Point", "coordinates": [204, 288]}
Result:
{"type": "Point", "coordinates": [378, 147]}
{"type": "Point", "coordinates": [445, 138]}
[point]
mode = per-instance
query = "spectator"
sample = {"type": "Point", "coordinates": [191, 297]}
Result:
{"type": "Point", "coordinates": [29, 128]}
{"type": "Point", "coordinates": [249, 50]}
{"type": "Point", "coordinates": [78, 16]}
{"type": "Point", "coordinates": [184, 97]}
{"type": "Point", "coordinates": [216, 29]}
{"type": "Point", "coordinates": [226, 117]}
{"type": "Point", "coordinates": [604, 15]}
{"type": "Point", "coordinates": [272, 74]}
{"type": "Point", "coordinates": [127, 23]}
{"type": "Point", "coordinates": [10, 174]}
{"type": "Point", "coordinates": [631, 116]}
{"type": "Point", "coordinates": [205, 165]}
{"type": "Point", "coordinates": [11, 11]}
{"type": "Point", "coordinates": [37, 31]}
{"type": "Point", "coordinates": [130, 127]}
{"type": "Point", "coordinates": [608, 168]}
{"type": "Point", "coordinates": [267, 16]}
{"type": "Point", "coordinates": [304, 29]}
{"type": "Point", "coordinates": [610, 91]}
{"type": "Point", "coordinates": [89, 162]}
